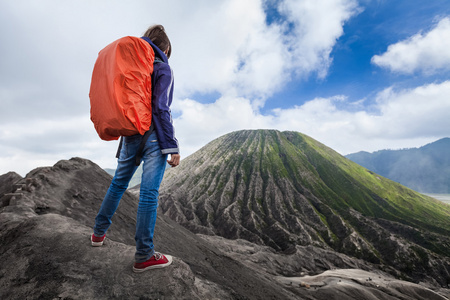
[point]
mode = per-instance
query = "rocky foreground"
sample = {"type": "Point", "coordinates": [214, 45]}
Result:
{"type": "Point", "coordinates": [45, 253]}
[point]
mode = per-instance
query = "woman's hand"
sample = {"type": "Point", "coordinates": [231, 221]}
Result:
{"type": "Point", "coordinates": [174, 160]}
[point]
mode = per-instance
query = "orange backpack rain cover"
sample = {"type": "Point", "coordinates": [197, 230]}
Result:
{"type": "Point", "coordinates": [121, 90]}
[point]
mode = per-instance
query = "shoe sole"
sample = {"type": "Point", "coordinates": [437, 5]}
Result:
{"type": "Point", "coordinates": [169, 258]}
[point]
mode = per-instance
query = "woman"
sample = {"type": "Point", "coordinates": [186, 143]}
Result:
{"type": "Point", "coordinates": [155, 151]}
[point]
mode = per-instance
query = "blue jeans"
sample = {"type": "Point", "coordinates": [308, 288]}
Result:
{"type": "Point", "coordinates": [152, 175]}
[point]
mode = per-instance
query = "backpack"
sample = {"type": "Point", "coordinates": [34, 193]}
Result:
{"type": "Point", "coordinates": [121, 88]}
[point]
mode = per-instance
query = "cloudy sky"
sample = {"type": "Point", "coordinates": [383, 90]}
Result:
{"type": "Point", "coordinates": [352, 74]}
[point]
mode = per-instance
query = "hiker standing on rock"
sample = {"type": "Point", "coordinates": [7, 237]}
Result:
{"type": "Point", "coordinates": [155, 148]}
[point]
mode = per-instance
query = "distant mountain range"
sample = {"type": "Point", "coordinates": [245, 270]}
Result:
{"type": "Point", "coordinates": [284, 190]}
{"type": "Point", "coordinates": [425, 169]}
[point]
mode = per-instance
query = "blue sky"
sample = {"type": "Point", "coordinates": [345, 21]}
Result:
{"type": "Point", "coordinates": [368, 33]}
{"type": "Point", "coordinates": [356, 75]}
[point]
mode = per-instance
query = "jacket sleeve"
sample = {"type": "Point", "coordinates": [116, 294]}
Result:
{"type": "Point", "coordinates": [162, 94]}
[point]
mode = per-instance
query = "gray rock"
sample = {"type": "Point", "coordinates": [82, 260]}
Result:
{"type": "Point", "coordinates": [53, 259]}
{"type": "Point", "coordinates": [7, 187]}
{"type": "Point", "coordinates": [46, 253]}
{"type": "Point", "coordinates": [345, 278]}
{"type": "Point", "coordinates": [351, 284]}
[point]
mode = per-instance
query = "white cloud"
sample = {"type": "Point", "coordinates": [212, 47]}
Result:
{"type": "Point", "coordinates": [402, 118]}
{"type": "Point", "coordinates": [221, 47]}
{"type": "Point", "coordinates": [422, 111]}
{"type": "Point", "coordinates": [227, 47]}
{"type": "Point", "coordinates": [427, 52]}
{"type": "Point", "coordinates": [237, 53]}
{"type": "Point", "coordinates": [42, 142]}
{"type": "Point", "coordinates": [405, 118]}
{"type": "Point", "coordinates": [201, 123]}
{"type": "Point", "coordinates": [317, 26]}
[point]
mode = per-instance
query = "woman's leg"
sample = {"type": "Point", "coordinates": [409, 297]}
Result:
{"type": "Point", "coordinates": [125, 169]}
{"type": "Point", "coordinates": [152, 175]}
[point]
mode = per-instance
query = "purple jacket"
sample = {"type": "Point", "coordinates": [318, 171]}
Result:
{"type": "Point", "coordinates": [162, 93]}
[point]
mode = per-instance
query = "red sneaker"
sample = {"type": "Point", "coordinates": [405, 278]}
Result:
{"type": "Point", "coordinates": [158, 260]}
{"type": "Point", "coordinates": [97, 241]}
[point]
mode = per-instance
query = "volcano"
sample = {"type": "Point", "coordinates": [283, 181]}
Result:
{"type": "Point", "coordinates": [285, 189]}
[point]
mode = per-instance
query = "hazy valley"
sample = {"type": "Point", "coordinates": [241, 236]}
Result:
{"type": "Point", "coordinates": [425, 169]}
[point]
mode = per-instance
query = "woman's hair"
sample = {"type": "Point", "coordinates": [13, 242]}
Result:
{"type": "Point", "coordinates": [158, 36]}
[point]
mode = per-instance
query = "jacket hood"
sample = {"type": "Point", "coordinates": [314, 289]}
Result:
{"type": "Point", "coordinates": [158, 51]}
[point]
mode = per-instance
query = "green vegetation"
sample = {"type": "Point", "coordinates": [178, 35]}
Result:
{"type": "Point", "coordinates": [335, 180]}
{"type": "Point", "coordinates": [372, 194]}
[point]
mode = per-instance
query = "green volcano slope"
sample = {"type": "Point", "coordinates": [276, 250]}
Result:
{"type": "Point", "coordinates": [284, 189]}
